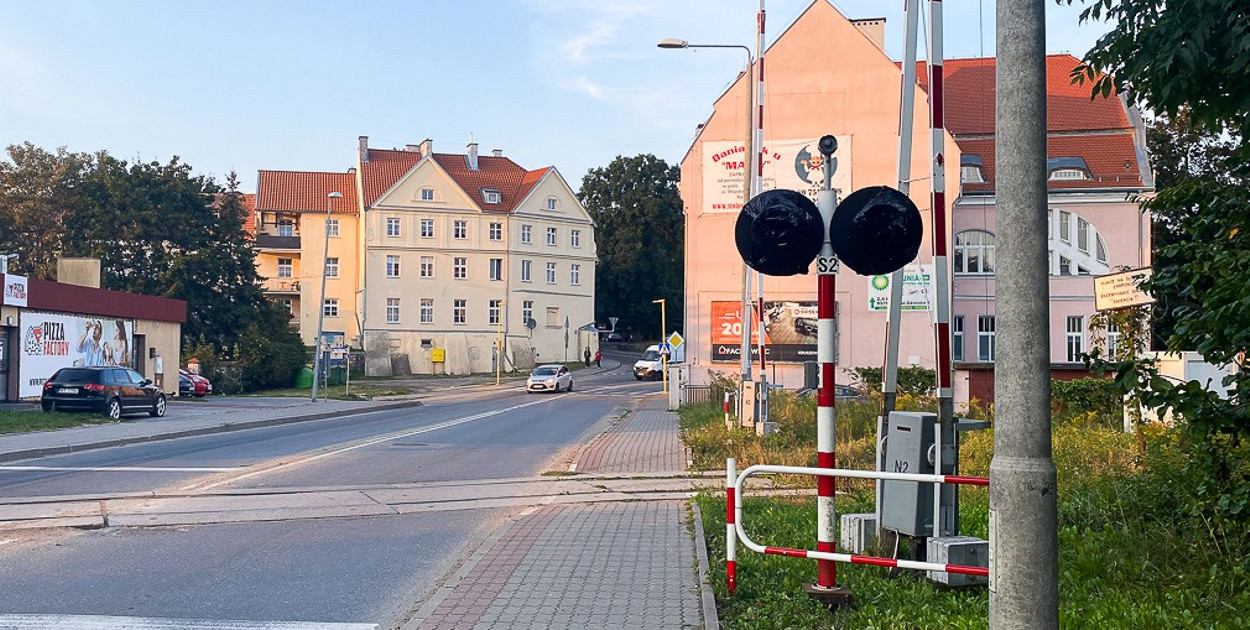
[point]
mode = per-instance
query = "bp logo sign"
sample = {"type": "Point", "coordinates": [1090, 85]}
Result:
{"type": "Point", "coordinates": [881, 283]}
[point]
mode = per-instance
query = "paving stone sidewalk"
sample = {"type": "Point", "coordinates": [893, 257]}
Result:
{"type": "Point", "coordinates": [618, 565]}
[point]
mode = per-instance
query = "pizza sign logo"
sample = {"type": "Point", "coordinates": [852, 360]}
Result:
{"type": "Point", "coordinates": [34, 340]}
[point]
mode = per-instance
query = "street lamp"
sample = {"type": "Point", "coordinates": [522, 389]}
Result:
{"type": "Point", "coordinates": [749, 80]}
{"type": "Point", "coordinates": [663, 334]}
{"type": "Point", "coordinates": [321, 303]}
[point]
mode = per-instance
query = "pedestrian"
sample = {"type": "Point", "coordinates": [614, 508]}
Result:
{"type": "Point", "coordinates": [598, 358]}
{"type": "Point", "coordinates": [586, 356]}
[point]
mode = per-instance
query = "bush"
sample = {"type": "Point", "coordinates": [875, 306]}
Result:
{"type": "Point", "coordinates": [210, 364]}
{"type": "Point", "coordinates": [1091, 400]}
{"type": "Point", "coordinates": [913, 380]}
{"type": "Point", "coordinates": [268, 360]}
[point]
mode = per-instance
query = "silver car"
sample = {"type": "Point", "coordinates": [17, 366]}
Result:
{"type": "Point", "coordinates": [550, 378]}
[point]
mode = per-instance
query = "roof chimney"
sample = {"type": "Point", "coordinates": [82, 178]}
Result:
{"type": "Point", "coordinates": [426, 147]}
{"type": "Point", "coordinates": [497, 152]}
{"type": "Point", "coordinates": [471, 155]}
{"type": "Point", "coordinates": [412, 148]}
{"type": "Point", "coordinates": [364, 148]}
{"type": "Point", "coordinates": [873, 29]}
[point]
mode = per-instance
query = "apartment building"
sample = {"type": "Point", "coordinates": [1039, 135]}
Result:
{"type": "Point", "coordinates": [435, 258]}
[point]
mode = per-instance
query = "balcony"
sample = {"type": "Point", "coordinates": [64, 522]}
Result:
{"type": "Point", "coordinates": [271, 242]}
{"type": "Point", "coordinates": [281, 286]}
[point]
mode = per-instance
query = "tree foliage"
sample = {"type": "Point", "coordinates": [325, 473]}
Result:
{"type": "Point", "coordinates": [638, 234]}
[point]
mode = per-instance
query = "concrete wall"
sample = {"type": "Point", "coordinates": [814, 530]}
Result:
{"type": "Point", "coordinates": [166, 339]}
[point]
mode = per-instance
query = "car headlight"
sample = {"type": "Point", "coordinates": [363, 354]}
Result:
{"type": "Point", "coordinates": [551, 381]}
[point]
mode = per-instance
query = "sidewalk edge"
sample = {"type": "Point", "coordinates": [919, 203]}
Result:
{"type": "Point", "coordinates": [173, 435]}
{"type": "Point", "coordinates": [710, 619]}
{"type": "Point", "coordinates": [415, 619]}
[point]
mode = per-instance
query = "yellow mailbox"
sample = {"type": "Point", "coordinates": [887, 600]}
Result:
{"type": "Point", "coordinates": [438, 355]}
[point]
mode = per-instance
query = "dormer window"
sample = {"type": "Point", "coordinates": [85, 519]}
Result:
{"type": "Point", "coordinates": [551, 203]}
{"type": "Point", "coordinates": [1068, 175]}
{"type": "Point", "coordinates": [491, 196]}
{"type": "Point", "coordinates": [1067, 169]}
{"type": "Point", "coordinates": [970, 169]}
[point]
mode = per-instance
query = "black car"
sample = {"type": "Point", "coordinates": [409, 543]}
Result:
{"type": "Point", "coordinates": [109, 390]}
{"type": "Point", "coordinates": [186, 388]}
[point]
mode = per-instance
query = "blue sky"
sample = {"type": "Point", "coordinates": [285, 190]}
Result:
{"type": "Point", "coordinates": [243, 85]}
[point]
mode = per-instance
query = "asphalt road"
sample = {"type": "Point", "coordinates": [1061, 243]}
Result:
{"type": "Point", "coordinates": [368, 569]}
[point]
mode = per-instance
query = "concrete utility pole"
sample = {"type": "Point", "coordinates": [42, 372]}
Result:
{"type": "Point", "coordinates": [1024, 545]}
{"type": "Point", "coordinates": [321, 303]}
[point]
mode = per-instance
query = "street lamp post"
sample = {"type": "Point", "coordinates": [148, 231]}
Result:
{"type": "Point", "coordinates": [747, 174]}
{"type": "Point", "coordinates": [321, 303]}
{"type": "Point", "coordinates": [663, 334]}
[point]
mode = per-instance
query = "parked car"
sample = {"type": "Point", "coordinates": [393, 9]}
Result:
{"type": "Point", "coordinates": [613, 336]}
{"type": "Point", "coordinates": [203, 386]}
{"type": "Point", "coordinates": [113, 391]}
{"type": "Point", "coordinates": [186, 386]}
{"type": "Point", "coordinates": [550, 378]}
{"type": "Point", "coordinates": [650, 366]}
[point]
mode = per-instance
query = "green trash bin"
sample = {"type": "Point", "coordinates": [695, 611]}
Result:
{"type": "Point", "coordinates": [304, 379]}
{"type": "Point", "coordinates": [337, 376]}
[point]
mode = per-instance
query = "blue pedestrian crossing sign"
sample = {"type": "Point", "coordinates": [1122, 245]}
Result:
{"type": "Point", "coordinates": [666, 349]}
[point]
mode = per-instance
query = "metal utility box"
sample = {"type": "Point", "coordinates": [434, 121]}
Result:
{"type": "Point", "coordinates": [857, 532]}
{"type": "Point", "coordinates": [748, 406]}
{"type": "Point", "coordinates": [964, 550]}
{"type": "Point", "coordinates": [907, 506]}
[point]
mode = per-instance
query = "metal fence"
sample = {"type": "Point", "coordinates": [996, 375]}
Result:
{"type": "Point", "coordinates": [692, 394]}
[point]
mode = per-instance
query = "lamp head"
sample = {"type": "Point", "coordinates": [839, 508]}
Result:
{"type": "Point", "coordinates": [673, 43]}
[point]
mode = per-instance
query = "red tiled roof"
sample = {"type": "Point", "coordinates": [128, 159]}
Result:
{"type": "Point", "coordinates": [495, 173]}
{"type": "Point", "coordinates": [970, 93]}
{"type": "Point", "coordinates": [249, 213]}
{"type": "Point", "coordinates": [384, 168]}
{"type": "Point", "coordinates": [305, 191]}
{"type": "Point", "coordinates": [1111, 158]}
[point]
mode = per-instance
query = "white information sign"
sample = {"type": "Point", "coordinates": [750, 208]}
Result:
{"type": "Point", "coordinates": [51, 341]}
{"type": "Point", "coordinates": [788, 165]}
{"type": "Point", "coordinates": [918, 289]}
{"type": "Point", "coordinates": [1121, 290]}
{"type": "Point", "coordinates": [16, 289]}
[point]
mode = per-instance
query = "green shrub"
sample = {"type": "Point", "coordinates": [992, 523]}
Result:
{"type": "Point", "coordinates": [1089, 401]}
{"type": "Point", "coordinates": [912, 379]}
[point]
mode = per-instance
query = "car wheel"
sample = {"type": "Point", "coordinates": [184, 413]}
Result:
{"type": "Point", "coordinates": [637, 377]}
{"type": "Point", "coordinates": [570, 387]}
{"type": "Point", "coordinates": [158, 407]}
{"type": "Point", "coordinates": [114, 409]}
{"type": "Point", "coordinates": [47, 406]}
{"type": "Point", "coordinates": [557, 389]}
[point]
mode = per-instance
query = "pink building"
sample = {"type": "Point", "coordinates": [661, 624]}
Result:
{"type": "Point", "coordinates": [828, 74]}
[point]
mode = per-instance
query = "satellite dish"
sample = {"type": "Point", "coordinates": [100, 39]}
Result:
{"type": "Point", "coordinates": [531, 323]}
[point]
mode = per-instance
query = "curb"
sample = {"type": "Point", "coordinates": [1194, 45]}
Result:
{"type": "Point", "coordinates": [414, 619]}
{"type": "Point", "coordinates": [710, 619]}
{"type": "Point", "coordinates": [221, 428]}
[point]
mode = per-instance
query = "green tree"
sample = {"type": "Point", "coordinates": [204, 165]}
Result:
{"type": "Point", "coordinates": [40, 199]}
{"type": "Point", "coordinates": [638, 234]}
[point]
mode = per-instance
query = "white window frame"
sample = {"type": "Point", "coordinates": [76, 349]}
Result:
{"type": "Point", "coordinates": [330, 307]}
{"type": "Point", "coordinates": [491, 196]}
{"type": "Point", "coordinates": [986, 342]}
{"type": "Point", "coordinates": [971, 174]}
{"type": "Point", "coordinates": [332, 227]}
{"type": "Point", "coordinates": [287, 269]}
{"type": "Point", "coordinates": [978, 243]}
{"type": "Point", "coordinates": [551, 273]}
{"type": "Point", "coordinates": [427, 228]}
{"type": "Point", "coordinates": [957, 338]}
{"type": "Point", "coordinates": [392, 227]}
{"type": "Point", "coordinates": [1113, 339]}
{"type": "Point", "coordinates": [1075, 337]}
{"type": "Point", "coordinates": [575, 274]}
{"type": "Point", "coordinates": [1068, 175]}
{"type": "Point", "coordinates": [460, 268]}
{"type": "Point", "coordinates": [427, 266]}
{"type": "Point", "coordinates": [392, 266]}
{"type": "Point", "coordinates": [552, 235]}
{"type": "Point", "coordinates": [286, 227]}
{"type": "Point", "coordinates": [575, 238]}
{"type": "Point", "coordinates": [332, 266]}
{"type": "Point", "coordinates": [460, 311]}
{"type": "Point", "coordinates": [427, 310]}
{"type": "Point", "coordinates": [496, 269]}
{"type": "Point", "coordinates": [460, 229]}
{"type": "Point", "coordinates": [526, 268]}
{"type": "Point", "coordinates": [527, 311]}
{"type": "Point", "coordinates": [427, 194]}
{"type": "Point", "coordinates": [493, 312]}
{"type": "Point", "coordinates": [527, 234]}
{"type": "Point", "coordinates": [392, 310]}
{"type": "Point", "coordinates": [551, 204]}
{"type": "Point", "coordinates": [496, 231]}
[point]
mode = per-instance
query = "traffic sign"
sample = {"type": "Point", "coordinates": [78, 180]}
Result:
{"type": "Point", "coordinates": [665, 348]}
{"type": "Point", "coordinates": [675, 340]}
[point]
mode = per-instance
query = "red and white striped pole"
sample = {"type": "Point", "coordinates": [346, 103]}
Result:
{"type": "Point", "coordinates": [731, 529]}
{"type": "Point", "coordinates": [757, 147]}
{"type": "Point", "coordinates": [726, 409]}
{"type": "Point", "coordinates": [945, 434]}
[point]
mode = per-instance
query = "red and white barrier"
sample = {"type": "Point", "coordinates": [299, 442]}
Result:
{"type": "Point", "coordinates": [726, 408]}
{"type": "Point", "coordinates": [735, 529]}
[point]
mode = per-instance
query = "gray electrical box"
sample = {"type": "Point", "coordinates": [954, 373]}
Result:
{"type": "Point", "coordinates": [907, 506]}
{"type": "Point", "coordinates": [963, 550]}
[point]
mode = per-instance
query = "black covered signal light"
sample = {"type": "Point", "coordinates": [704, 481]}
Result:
{"type": "Point", "coordinates": [876, 230]}
{"type": "Point", "coordinates": [779, 233]}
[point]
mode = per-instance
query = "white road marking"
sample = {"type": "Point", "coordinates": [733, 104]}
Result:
{"type": "Point", "coordinates": [102, 622]}
{"type": "Point", "coordinates": [112, 469]}
{"type": "Point", "coordinates": [397, 436]}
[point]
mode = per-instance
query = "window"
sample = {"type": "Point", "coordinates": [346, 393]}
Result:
{"type": "Point", "coordinates": [1101, 249]}
{"type": "Point", "coordinates": [1065, 227]}
{"type": "Point", "coordinates": [392, 310]}
{"type": "Point", "coordinates": [427, 228]}
{"type": "Point", "coordinates": [1082, 235]}
{"type": "Point", "coordinates": [551, 203]}
{"type": "Point", "coordinates": [985, 338]}
{"type": "Point", "coordinates": [551, 273]}
{"type": "Point", "coordinates": [527, 312]}
{"type": "Point", "coordinates": [427, 266]}
{"type": "Point", "coordinates": [496, 269]}
{"type": "Point", "coordinates": [460, 268]}
{"type": "Point", "coordinates": [527, 234]}
{"type": "Point", "coordinates": [496, 231]}
{"type": "Point", "coordinates": [392, 266]}
{"type": "Point", "coordinates": [525, 270]}
{"type": "Point", "coordinates": [1113, 339]}
{"type": "Point", "coordinates": [575, 238]}
{"type": "Point", "coordinates": [392, 227]}
{"type": "Point", "coordinates": [493, 313]}
{"type": "Point", "coordinates": [459, 311]}
{"type": "Point", "coordinates": [551, 237]}
{"type": "Point", "coordinates": [490, 196]}
{"type": "Point", "coordinates": [1068, 174]}
{"type": "Point", "coordinates": [1081, 254]}
{"type": "Point", "coordinates": [575, 274]}
{"type": "Point", "coordinates": [289, 305]}
{"type": "Point", "coordinates": [427, 310]}
{"type": "Point", "coordinates": [332, 227]}
{"type": "Point", "coordinates": [460, 230]}
{"type": "Point", "coordinates": [286, 227]}
{"type": "Point", "coordinates": [553, 316]}
{"type": "Point", "coordinates": [332, 267]}
{"type": "Point", "coordinates": [1065, 266]}
{"type": "Point", "coordinates": [427, 194]}
{"type": "Point", "coordinates": [974, 253]}
{"type": "Point", "coordinates": [1076, 337]}
{"type": "Point", "coordinates": [330, 307]}
{"type": "Point", "coordinates": [971, 175]}
{"type": "Point", "coordinates": [957, 337]}
{"type": "Point", "coordinates": [284, 267]}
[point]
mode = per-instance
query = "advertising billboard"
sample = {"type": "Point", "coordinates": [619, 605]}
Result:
{"type": "Point", "coordinates": [51, 341]}
{"type": "Point", "coordinates": [789, 331]}
{"type": "Point", "coordinates": [789, 164]}
{"type": "Point", "coordinates": [919, 292]}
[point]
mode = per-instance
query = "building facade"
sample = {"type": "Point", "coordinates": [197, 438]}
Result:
{"type": "Point", "coordinates": [448, 255]}
{"type": "Point", "coordinates": [828, 74]}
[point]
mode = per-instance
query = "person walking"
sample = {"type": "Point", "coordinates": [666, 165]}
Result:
{"type": "Point", "coordinates": [598, 358]}
{"type": "Point", "coordinates": [586, 356]}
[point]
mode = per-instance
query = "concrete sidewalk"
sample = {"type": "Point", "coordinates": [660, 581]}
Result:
{"type": "Point", "coordinates": [185, 419]}
{"type": "Point", "coordinates": [598, 565]}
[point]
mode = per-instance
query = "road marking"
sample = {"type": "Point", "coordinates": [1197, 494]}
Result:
{"type": "Point", "coordinates": [112, 469]}
{"type": "Point", "coordinates": [102, 622]}
{"type": "Point", "coordinates": [338, 451]}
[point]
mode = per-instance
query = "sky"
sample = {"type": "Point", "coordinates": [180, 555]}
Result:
{"type": "Point", "coordinates": [235, 85]}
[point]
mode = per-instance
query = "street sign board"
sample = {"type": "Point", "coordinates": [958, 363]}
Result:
{"type": "Point", "coordinates": [675, 340]}
{"type": "Point", "coordinates": [1121, 290]}
{"type": "Point", "coordinates": [665, 348]}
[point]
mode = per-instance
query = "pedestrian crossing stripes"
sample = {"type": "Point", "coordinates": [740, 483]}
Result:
{"type": "Point", "coordinates": [104, 622]}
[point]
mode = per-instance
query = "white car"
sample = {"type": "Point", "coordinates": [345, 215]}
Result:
{"type": "Point", "coordinates": [550, 378]}
{"type": "Point", "coordinates": [650, 366]}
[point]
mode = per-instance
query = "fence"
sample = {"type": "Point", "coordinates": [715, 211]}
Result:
{"type": "Point", "coordinates": [694, 394]}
